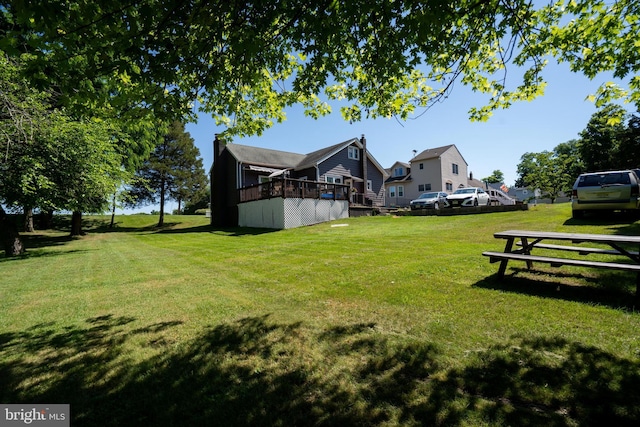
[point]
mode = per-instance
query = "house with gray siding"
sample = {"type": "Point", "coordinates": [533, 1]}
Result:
{"type": "Point", "coordinates": [302, 189]}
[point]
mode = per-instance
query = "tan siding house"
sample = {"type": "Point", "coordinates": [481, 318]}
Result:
{"type": "Point", "coordinates": [436, 169]}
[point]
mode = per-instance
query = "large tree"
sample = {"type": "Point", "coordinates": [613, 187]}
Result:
{"type": "Point", "coordinates": [173, 171]}
{"type": "Point", "coordinates": [545, 171]}
{"type": "Point", "coordinates": [496, 177]}
{"type": "Point", "coordinates": [600, 141]}
{"type": "Point", "coordinates": [244, 62]}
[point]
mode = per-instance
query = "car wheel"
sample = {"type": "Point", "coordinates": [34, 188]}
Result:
{"type": "Point", "coordinates": [475, 202]}
{"type": "Point", "coordinates": [488, 202]}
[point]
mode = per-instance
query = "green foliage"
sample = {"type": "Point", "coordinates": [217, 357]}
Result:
{"type": "Point", "coordinates": [605, 144]}
{"type": "Point", "coordinates": [544, 171]}
{"type": "Point", "coordinates": [51, 161]}
{"type": "Point", "coordinates": [199, 203]}
{"type": "Point", "coordinates": [245, 62]}
{"type": "Point", "coordinates": [496, 177]}
{"type": "Point", "coordinates": [600, 141]}
{"type": "Point", "coordinates": [173, 171]}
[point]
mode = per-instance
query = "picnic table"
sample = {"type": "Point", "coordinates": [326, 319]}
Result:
{"type": "Point", "coordinates": [520, 243]}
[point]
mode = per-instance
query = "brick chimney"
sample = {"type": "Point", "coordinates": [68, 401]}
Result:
{"type": "Point", "coordinates": [363, 141]}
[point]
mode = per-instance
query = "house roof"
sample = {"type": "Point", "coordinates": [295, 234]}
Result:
{"type": "Point", "coordinates": [472, 182]}
{"type": "Point", "coordinates": [406, 165]}
{"type": "Point", "coordinates": [434, 153]}
{"type": "Point", "coordinates": [264, 156]}
{"type": "Point", "coordinates": [312, 159]}
{"type": "Point", "coordinates": [284, 160]}
{"type": "Point", "coordinates": [404, 178]}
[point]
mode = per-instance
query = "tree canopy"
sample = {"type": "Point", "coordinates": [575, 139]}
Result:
{"type": "Point", "coordinates": [172, 171]}
{"type": "Point", "coordinates": [245, 62]}
{"type": "Point", "coordinates": [496, 177]}
{"type": "Point", "coordinates": [606, 143]}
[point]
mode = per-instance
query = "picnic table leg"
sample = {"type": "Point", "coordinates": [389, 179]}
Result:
{"type": "Point", "coordinates": [525, 246]}
{"type": "Point", "coordinates": [503, 263]}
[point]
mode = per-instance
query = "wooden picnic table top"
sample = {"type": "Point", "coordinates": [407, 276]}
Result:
{"type": "Point", "coordinates": [574, 237]}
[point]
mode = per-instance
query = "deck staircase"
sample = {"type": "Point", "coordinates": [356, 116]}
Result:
{"type": "Point", "coordinates": [499, 197]}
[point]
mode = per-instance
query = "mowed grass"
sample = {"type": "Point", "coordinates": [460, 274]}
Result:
{"type": "Point", "coordinates": [383, 321]}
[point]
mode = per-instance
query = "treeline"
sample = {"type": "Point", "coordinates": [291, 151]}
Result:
{"type": "Point", "coordinates": [56, 158]}
{"type": "Point", "coordinates": [610, 141]}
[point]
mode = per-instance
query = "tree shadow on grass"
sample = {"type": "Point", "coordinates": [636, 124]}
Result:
{"type": "Point", "coordinates": [36, 244]}
{"type": "Point", "coordinates": [612, 289]}
{"type": "Point", "coordinates": [259, 372]}
{"type": "Point", "coordinates": [174, 228]}
{"type": "Point", "coordinates": [627, 221]}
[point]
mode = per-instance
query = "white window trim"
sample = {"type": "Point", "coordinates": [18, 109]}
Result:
{"type": "Point", "coordinates": [353, 152]}
{"type": "Point", "coordinates": [335, 179]}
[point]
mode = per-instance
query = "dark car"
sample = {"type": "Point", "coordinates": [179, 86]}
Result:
{"type": "Point", "coordinates": [605, 191]}
{"type": "Point", "coordinates": [431, 200]}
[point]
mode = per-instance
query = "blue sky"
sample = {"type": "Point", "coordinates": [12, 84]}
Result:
{"type": "Point", "coordinates": [499, 143]}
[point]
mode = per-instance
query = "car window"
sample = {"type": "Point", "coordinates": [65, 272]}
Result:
{"type": "Point", "coordinates": [428, 196]}
{"type": "Point", "coordinates": [604, 179]}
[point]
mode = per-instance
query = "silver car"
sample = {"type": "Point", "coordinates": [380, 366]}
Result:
{"type": "Point", "coordinates": [431, 200]}
{"type": "Point", "coordinates": [605, 191]}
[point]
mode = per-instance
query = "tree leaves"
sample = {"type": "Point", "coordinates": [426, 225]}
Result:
{"type": "Point", "coordinates": [246, 62]}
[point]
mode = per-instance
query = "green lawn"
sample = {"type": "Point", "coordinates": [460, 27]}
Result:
{"type": "Point", "coordinates": [385, 321]}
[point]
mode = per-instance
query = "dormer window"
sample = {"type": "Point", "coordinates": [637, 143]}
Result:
{"type": "Point", "coordinates": [398, 171]}
{"type": "Point", "coordinates": [354, 153]}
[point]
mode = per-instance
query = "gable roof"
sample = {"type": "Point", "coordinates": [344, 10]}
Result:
{"type": "Point", "coordinates": [264, 156]}
{"type": "Point", "coordinates": [312, 159]}
{"type": "Point", "coordinates": [398, 163]}
{"type": "Point", "coordinates": [434, 153]}
{"type": "Point", "coordinates": [286, 160]}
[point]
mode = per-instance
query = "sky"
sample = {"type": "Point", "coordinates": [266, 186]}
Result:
{"type": "Point", "coordinates": [498, 144]}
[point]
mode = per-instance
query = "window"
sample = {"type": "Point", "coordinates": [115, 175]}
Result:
{"type": "Point", "coordinates": [354, 153]}
{"type": "Point", "coordinates": [398, 171]}
{"type": "Point", "coordinates": [421, 187]}
{"type": "Point", "coordinates": [369, 185]}
{"type": "Point", "coordinates": [392, 191]}
{"type": "Point", "coordinates": [400, 191]}
{"type": "Point", "coordinates": [454, 169]}
{"type": "Point", "coordinates": [262, 179]}
{"type": "Point", "coordinates": [331, 179]}
{"type": "Point", "coordinates": [427, 187]}
{"type": "Point", "coordinates": [421, 166]}
{"type": "Point", "coordinates": [449, 186]}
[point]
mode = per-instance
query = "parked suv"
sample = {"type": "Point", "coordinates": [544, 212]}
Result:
{"type": "Point", "coordinates": [605, 191]}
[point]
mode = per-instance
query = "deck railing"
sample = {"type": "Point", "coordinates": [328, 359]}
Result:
{"type": "Point", "coordinates": [289, 188]}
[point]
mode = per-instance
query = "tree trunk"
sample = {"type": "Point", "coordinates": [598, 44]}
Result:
{"type": "Point", "coordinates": [9, 236]}
{"type": "Point", "coordinates": [45, 220]}
{"type": "Point", "coordinates": [113, 211]}
{"type": "Point", "coordinates": [161, 220]}
{"type": "Point", "coordinates": [76, 224]}
{"type": "Point", "coordinates": [28, 219]}
{"type": "Point", "coordinates": [179, 206]}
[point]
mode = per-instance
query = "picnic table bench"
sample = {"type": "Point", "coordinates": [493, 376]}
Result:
{"type": "Point", "coordinates": [525, 241]}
